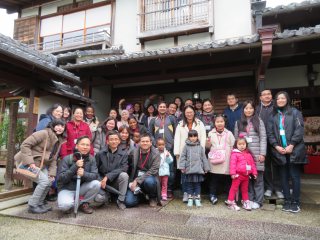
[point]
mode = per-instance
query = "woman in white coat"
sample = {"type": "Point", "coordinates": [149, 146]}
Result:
{"type": "Point", "coordinates": [188, 122]}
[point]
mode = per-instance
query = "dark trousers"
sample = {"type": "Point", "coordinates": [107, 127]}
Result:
{"type": "Point", "coordinates": [193, 188]}
{"type": "Point", "coordinates": [149, 186]}
{"type": "Point", "coordinates": [218, 183]}
{"type": "Point", "coordinates": [271, 175]}
{"type": "Point", "coordinates": [287, 172]}
{"type": "Point", "coordinates": [256, 189]}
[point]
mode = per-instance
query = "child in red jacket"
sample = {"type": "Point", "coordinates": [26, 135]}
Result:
{"type": "Point", "coordinates": [241, 167]}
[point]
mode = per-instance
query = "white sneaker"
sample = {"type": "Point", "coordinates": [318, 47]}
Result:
{"type": "Point", "coordinates": [232, 205]}
{"type": "Point", "coordinates": [279, 195]}
{"type": "Point", "coordinates": [246, 205]}
{"type": "Point", "coordinates": [255, 205]}
{"type": "Point", "coordinates": [268, 193]}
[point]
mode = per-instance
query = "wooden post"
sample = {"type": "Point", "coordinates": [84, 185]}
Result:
{"type": "Point", "coordinates": [11, 144]}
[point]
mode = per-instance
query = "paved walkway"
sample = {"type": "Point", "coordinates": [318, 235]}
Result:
{"type": "Point", "coordinates": [175, 220]}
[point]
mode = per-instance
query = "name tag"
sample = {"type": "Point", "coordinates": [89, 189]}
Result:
{"type": "Point", "coordinates": [249, 139]}
{"type": "Point", "coordinates": [248, 167]}
{"type": "Point", "coordinates": [141, 173]}
{"type": "Point", "coordinates": [208, 127]}
{"type": "Point", "coordinates": [161, 130]}
{"type": "Point", "coordinates": [282, 132]}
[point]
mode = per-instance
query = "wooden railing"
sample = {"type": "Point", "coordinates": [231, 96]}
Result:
{"type": "Point", "coordinates": [161, 14]}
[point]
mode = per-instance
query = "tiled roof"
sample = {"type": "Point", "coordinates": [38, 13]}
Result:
{"type": "Point", "coordinates": [300, 32]}
{"type": "Point", "coordinates": [47, 62]}
{"type": "Point", "coordinates": [165, 52]}
{"type": "Point", "coordinates": [291, 7]}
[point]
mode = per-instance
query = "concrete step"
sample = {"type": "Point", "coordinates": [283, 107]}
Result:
{"type": "Point", "coordinates": [15, 201]}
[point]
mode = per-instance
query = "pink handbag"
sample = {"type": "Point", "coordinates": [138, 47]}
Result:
{"type": "Point", "coordinates": [218, 156]}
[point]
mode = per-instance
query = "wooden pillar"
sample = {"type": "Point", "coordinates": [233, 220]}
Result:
{"type": "Point", "coordinates": [266, 34]}
{"type": "Point", "coordinates": [11, 144]}
{"type": "Point", "coordinates": [32, 118]}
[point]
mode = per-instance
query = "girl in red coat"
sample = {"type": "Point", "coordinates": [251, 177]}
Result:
{"type": "Point", "coordinates": [75, 128]}
{"type": "Point", "coordinates": [242, 166]}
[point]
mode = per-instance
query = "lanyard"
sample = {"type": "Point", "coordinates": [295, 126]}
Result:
{"type": "Point", "coordinates": [146, 159]}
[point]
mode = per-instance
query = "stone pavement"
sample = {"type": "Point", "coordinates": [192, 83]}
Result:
{"type": "Point", "coordinates": [174, 221]}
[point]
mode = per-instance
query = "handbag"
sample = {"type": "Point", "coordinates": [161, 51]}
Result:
{"type": "Point", "coordinates": [218, 156]}
{"type": "Point", "coordinates": [32, 173]}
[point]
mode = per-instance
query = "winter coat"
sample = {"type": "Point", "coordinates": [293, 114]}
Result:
{"type": "Point", "coordinates": [32, 148]}
{"type": "Point", "coordinates": [214, 138]}
{"type": "Point", "coordinates": [193, 158]}
{"type": "Point", "coordinates": [44, 121]}
{"type": "Point", "coordinates": [67, 172]}
{"type": "Point", "coordinates": [74, 132]}
{"type": "Point", "coordinates": [208, 120]}
{"type": "Point", "coordinates": [99, 141]}
{"type": "Point", "coordinates": [294, 131]}
{"type": "Point", "coordinates": [232, 116]}
{"type": "Point", "coordinates": [169, 126]}
{"type": "Point", "coordinates": [239, 161]}
{"type": "Point", "coordinates": [129, 150]}
{"type": "Point", "coordinates": [165, 160]}
{"type": "Point", "coordinates": [93, 124]}
{"type": "Point", "coordinates": [145, 120]}
{"type": "Point", "coordinates": [264, 112]}
{"type": "Point", "coordinates": [111, 164]}
{"type": "Point", "coordinates": [258, 146]}
{"type": "Point", "coordinates": [181, 136]}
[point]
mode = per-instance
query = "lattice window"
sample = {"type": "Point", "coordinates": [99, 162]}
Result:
{"type": "Point", "coordinates": [160, 14]}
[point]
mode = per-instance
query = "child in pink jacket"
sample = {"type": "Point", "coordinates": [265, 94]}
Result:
{"type": "Point", "coordinates": [242, 166]}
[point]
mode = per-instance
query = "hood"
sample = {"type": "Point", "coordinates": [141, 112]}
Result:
{"type": "Point", "coordinates": [188, 142]}
{"type": "Point", "coordinates": [43, 116]}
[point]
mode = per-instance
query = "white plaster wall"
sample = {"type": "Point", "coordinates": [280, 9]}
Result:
{"type": "Point", "coordinates": [47, 101]}
{"type": "Point", "coordinates": [287, 77]}
{"type": "Point", "coordinates": [159, 44]}
{"type": "Point", "coordinates": [126, 25]}
{"type": "Point", "coordinates": [28, 12]}
{"type": "Point", "coordinates": [194, 38]}
{"type": "Point", "coordinates": [102, 96]}
{"type": "Point", "coordinates": [53, 7]}
{"type": "Point", "coordinates": [232, 18]}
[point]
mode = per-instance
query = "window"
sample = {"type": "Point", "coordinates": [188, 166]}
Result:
{"type": "Point", "coordinates": [160, 14]}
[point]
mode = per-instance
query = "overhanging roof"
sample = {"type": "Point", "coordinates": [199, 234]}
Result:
{"type": "Point", "coordinates": [16, 5]}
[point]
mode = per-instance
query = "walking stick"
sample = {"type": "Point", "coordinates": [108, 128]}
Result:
{"type": "Point", "coordinates": [77, 196]}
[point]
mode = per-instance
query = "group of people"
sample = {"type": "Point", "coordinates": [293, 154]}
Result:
{"type": "Point", "coordinates": [134, 156]}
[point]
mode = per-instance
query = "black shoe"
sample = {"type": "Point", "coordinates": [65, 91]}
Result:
{"type": "Point", "coordinates": [36, 210]}
{"type": "Point", "coordinates": [46, 206]}
{"type": "Point", "coordinates": [295, 208]}
{"type": "Point", "coordinates": [51, 197]}
{"type": "Point", "coordinates": [286, 207]}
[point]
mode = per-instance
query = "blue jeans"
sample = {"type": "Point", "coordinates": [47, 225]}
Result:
{"type": "Point", "coordinates": [287, 172]}
{"type": "Point", "coordinates": [149, 186]}
{"type": "Point", "coordinates": [193, 188]}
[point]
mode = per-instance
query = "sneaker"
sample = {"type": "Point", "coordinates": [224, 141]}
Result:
{"type": "Point", "coordinates": [268, 193]}
{"type": "Point", "coordinates": [246, 205]}
{"type": "Point", "coordinates": [185, 197]}
{"type": "Point", "coordinates": [190, 202]}
{"type": "Point", "coordinates": [85, 208]}
{"type": "Point", "coordinates": [213, 199]}
{"type": "Point", "coordinates": [295, 208]}
{"type": "Point", "coordinates": [164, 198]}
{"type": "Point", "coordinates": [232, 205]}
{"type": "Point", "coordinates": [46, 207]}
{"type": "Point", "coordinates": [153, 202]}
{"type": "Point", "coordinates": [286, 207]}
{"type": "Point", "coordinates": [121, 205]}
{"type": "Point", "coordinates": [36, 210]}
{"type": "Point", "coordinates": [255, 205]}
{"type": "Point", "coordinates": [197, 202]}
{"type": "Point", "coordinates": [279, 195]}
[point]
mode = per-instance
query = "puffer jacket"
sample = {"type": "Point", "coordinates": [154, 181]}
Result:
{"type": "Point", "coordinates": [258, 146]}
{"type": "Point", "coordinates": [239, 161]}
{"type": "Point", "coordinates": [44, 120]}
{"type": "Point", "coordinates": [294, 131]}
{"type": "Point", "coordinates": [67, 172]}
{"type": "Point", "coordinates": [193, 158]}
{"type": "Point", "coordinates": [32, 148]}
{"type": "Point", "coordinates": [165, 160]}
{"type": "Point", "coordinates": [99, 141]}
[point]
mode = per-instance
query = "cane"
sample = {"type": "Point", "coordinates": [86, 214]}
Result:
{"type": "Point", "coordinates": [77, 196]}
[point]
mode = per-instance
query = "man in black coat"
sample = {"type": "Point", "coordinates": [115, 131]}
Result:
{"type": "Point", "coordinates": [112, 164]}
{"type": "Point", "coordinates": [271, 173]}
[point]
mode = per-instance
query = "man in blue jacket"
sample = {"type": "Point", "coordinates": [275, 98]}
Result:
{"type": "Point", "coordinates": [232, 112]}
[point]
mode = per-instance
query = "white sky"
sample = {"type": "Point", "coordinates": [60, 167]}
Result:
{"type": "Point", "coordinates": [7, 20]}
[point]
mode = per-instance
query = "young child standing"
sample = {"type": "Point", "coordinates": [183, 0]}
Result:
{"type": "Point", "coordinates": [194, 164]}
{"type": "Point", "coordinates": [164, 170]}
{"type": "Point", "coordinates": [242, 166]}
